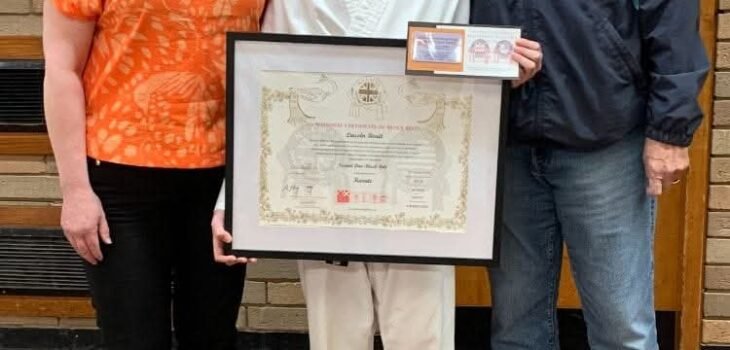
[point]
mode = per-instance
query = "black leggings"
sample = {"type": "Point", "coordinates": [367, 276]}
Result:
{"type": "Point", "coordinates": [159, 221]}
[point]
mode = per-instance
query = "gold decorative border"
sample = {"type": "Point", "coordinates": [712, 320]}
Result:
{"type": "Point", "coordinates": [395, 221]}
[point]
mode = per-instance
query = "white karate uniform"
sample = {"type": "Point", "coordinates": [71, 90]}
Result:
{"type": "Point", "coordinates": [411, 305]}
{"type": "Point", "coordinates": [365, 18]}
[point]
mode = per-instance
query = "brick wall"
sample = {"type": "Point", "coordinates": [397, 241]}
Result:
{"type": "Point", "coordinates": [20, 17]}
{"type": "Point", "coordinates": [716, 325]}
{"type": "Point", "coordinates": [28, 180]}
{"type": "Point", "coordinates": [273, 299]}
{"type": "Point", "coordinates": [272, 302]}
{"type": "Point", "coordinates": [47, 322]}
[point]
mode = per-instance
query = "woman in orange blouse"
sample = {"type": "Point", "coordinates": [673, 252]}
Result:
{"type": "Point", "coordinates": [134, 106]}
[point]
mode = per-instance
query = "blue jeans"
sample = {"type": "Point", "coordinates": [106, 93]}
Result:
{"type": "Point", "coordinates": [596, 203]}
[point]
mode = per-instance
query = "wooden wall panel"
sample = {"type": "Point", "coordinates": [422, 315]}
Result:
{"type": "Point", "coordinates": [39, 217]}
{"type": "Point", "coordinates": [33, 306]}
{"type": "Point", "coordinates": [25, 144]}
{"type": "Point", "coordinates": [473, 287]}
{"type": "Point", "coordinates": [21, 47]}
{"type": "Point", "coordinates": [695, 223]}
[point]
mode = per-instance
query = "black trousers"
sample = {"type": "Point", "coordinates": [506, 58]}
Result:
{"type": "Point", "coordinates": [159, 221]}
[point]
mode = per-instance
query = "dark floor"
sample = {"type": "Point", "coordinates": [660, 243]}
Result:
{"type": "Point", "coordinates": [472, 333]}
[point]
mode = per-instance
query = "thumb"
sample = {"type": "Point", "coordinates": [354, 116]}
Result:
{"type": "Point", "coordinates": [222, 235]}
{"type": "Point", "coordinates": [104, 232]}
{"type": "Point", "coordinates": [218, 230]}
{"type": "Point", "coordinates": [226, 237]}
{"type": "Point", "coordinates": [654, 187]}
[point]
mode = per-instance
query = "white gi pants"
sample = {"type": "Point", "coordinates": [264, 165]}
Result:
{"type": "Point", "coordinates": [411, 305]}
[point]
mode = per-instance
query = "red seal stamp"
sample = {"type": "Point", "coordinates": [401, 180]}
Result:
{"type": "Point", "coordinates": [343, 196]}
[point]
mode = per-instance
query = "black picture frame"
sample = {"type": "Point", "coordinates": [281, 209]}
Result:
{"type": "Point", "coordinates": [232, 39]}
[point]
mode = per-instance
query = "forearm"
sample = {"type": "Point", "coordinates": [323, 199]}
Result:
{"type": "Point", "coordinates": [66, 44]}
{"type": "Point", "coordinates": [676, 66]}
{"type": "Point", "coordinates": [66, 119]}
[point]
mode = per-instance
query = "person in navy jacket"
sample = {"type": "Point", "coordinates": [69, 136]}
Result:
{"type": "Point", "coordinates": [599, 133]}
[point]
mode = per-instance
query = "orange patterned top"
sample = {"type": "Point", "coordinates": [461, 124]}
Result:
{"type": "Point", "coordinates": [155, 79]}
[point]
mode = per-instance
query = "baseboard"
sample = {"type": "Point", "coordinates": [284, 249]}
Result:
{"type": "Point", "coordinates": [472, 333]}
{"type": "Point", "coordinates": [57, 339]}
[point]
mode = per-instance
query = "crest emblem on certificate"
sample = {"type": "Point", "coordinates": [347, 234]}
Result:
{"type": "Point", "coordinates": [368, 97]}
{"type": "Point", "coordinates": [316, 93]}
{"type": "Point", "coordinates": [479, 51]}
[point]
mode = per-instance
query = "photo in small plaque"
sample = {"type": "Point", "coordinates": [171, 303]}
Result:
{"type": "Point", "coordinates": [438, 47]}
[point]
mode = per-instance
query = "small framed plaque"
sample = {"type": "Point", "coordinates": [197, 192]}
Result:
{"type": "Point", "coordinates": [460, 50]}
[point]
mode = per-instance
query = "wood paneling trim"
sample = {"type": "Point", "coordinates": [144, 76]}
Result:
{"type": "Point", "coordinates": [37, 217]}
{"type": "Point", "coordinates": [473, 290]}
{"type": "Point", "coordinates": [32, 306]}
{"type": "Point", "coordinates": [469, 277]}
{"type": "Point", "coordinates": [25, 144]}
{"type": "Point", "coordinates": [21, 47]}
{"type": "Point", "coordinates": [695, 221]}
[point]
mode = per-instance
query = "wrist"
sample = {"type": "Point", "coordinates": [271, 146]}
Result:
{"type": "Point", "coordinates": [73, 173]}
{"type": "Point", "coordinates": [672, 138]}
{"type": "Point", "coordinates": [75, 188]}
{"type": "Point", "coordinates": [652, 143]}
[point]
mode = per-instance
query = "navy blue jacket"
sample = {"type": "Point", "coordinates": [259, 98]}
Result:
{"type": "Point", "coordinates": [610, 66]}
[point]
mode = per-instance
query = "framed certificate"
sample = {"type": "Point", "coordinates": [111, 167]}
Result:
{"type": "Point", "coordinates": [334, 154]}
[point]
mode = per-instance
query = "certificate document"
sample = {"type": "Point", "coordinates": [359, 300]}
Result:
{"type": "Point", "coordinates": [364, 151]}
